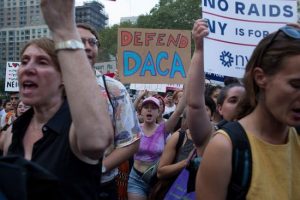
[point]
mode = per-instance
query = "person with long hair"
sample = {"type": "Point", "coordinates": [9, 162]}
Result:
{"type": "Point", "coordinates": [228, 100]}
{"type": "Point", "coordinates": [21, 108]}
{"type": "Point", "coordinates": [270, 112]}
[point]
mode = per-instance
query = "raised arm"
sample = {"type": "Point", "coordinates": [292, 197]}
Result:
{"type": "Point", "coordinates": [198, 120]}
{"type": "Point", "coordinates": [173, 120]}
{"type": "Point", "coordinates": [139, 98]}
{"type": "Point", "coordinates": [92, 129]}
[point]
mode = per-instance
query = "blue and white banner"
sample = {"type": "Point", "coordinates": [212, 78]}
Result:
{"type": "Point", "coordinates": [236, 27]}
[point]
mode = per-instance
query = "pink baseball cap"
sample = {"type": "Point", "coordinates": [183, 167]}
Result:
{"type": "Point", "coordinates": [153, 100]}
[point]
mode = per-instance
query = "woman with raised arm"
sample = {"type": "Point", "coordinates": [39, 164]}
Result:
{"type": "Point", "coordinates": [198, 120]}
{"type": "Point", "coordinates": [152, 144]}
{"type": "Point", "coordinates": [67, 128]}
{"type": "Point", "coordinates": [271, 109]}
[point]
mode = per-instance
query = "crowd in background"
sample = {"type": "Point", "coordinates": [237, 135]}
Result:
{"type": "Point", "coordinates": [95, 142]}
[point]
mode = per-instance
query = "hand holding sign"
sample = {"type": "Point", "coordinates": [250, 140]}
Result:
{"type": "Point", "coordinates": [200, 30]}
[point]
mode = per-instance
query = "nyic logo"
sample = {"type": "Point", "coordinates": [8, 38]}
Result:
{"type": "Point", "coordinates": [228, 59]}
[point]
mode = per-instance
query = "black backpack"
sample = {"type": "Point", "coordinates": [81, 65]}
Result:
{"type": "Point", "coordinates": [241, 160]}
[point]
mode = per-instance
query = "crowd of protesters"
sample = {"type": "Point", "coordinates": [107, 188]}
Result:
{"type": "Point", "coordinates": [99, 143]}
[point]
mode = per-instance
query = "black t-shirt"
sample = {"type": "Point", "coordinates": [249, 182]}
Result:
{"type": "Point", "coordinates": [53, 152]}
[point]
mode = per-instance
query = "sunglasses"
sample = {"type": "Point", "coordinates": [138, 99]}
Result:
{"type": "Point", "coordinates": [92, 41]}
{"type": "Point", "coordinates": [288, 31]}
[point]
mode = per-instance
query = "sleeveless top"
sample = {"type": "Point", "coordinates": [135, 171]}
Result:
{"type": "Point", "coordinates": [151, 147]}
{"type": "Point", "coordinates": [53, 153]}
{"type": "Point", "coordinates": [275, 168]}
{"type": "Point", "coordinates": [184, 150]}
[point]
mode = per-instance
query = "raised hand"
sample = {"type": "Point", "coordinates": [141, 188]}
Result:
{"type": "Point", "coordinates": [200, 30]}
{"type": "Point", "coordinates": [59, 16]}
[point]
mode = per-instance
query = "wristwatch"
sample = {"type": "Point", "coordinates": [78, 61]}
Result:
{"type": "Point", "coordinates": [69, 45]}
{"type": "Point", "coordinates": [103, 169]}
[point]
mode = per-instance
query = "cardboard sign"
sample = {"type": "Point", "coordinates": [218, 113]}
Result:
{"type": "Point", "coordinates": [153, 55]}
{"type": "Point", "coordinates": [11, 77]}
{"type": "Point", "coordinates": [236, 27]}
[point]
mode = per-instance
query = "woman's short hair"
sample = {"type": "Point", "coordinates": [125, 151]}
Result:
{"type": "Point", "coordinates": [89, 28]}
{"type": "Point", "coordinates": [47, 45]}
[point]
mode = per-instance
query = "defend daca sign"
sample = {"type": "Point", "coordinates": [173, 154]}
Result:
{"type": "Point", "coordinates": [153, 55]}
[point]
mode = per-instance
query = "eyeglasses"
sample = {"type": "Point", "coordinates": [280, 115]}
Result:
{"type": "Point", "coordinates": [92, 41]}
{"type": "Point", "coordinates": [288, 31]}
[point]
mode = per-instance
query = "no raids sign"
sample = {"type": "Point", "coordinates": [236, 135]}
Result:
{"type": "Point", "coordinates": [153, 55]}
{"type": "Point", "coordinates": [236, 27]}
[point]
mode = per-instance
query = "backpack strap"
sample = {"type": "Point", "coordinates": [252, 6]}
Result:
{"type": "Point", "coordinates": [220, 124]}
{"type": "Point", "coordinates": [241, 161]}
{"type": "Point", "coordinates": [180, 139]}
{"type": "Point", "coordinates": [108, 94]}
{"type": "Point", "coordinates": [109, 98]}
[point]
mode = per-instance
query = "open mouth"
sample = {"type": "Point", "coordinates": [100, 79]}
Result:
{"type": "Point", "coordinates": [149, 116]}
{"type": "Point", "coordinates": [28, 85]}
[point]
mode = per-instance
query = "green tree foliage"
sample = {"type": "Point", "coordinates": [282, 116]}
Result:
{"type": "Point", "coordinates": [167, 14]}
{"type": "Point", "coordinates": [108, 40]}
{"type": "Point", "coordinates": [108, 44]}
{"type": "Point", "coordinates": [172, 14]}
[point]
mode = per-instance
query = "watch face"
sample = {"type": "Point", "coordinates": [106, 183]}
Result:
{"type": "Point", "coordinates": [103, 169]}
{"type": "Point", "coordinates": [70, 44]}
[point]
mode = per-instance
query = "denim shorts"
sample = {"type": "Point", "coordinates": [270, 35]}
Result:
{"type": "Point", "coordinates": [136, 185]}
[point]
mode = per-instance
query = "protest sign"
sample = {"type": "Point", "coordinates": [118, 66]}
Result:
{"type": "Point", "coordinates": [235, 29]}
{"type": "Point", "coordinates": [153, 55]}
{"type": "Point", "coordinates": [155, 87]}
{"type": "Point", "coordinates": [106, 67]}
{"type": "Point", "coordinates": [11, 77]}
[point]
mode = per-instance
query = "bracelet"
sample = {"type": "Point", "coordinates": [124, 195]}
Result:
{"type": "Point", "coordinates": [69, 45]}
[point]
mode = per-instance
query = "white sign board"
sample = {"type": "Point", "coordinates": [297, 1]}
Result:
{"type": "Point", "coordinates": [236, 27]}
{"type": "Point", "coordinates": [155, 87]}
{"type": "Point", "coordinates": [106, 67]}
{"type": "Point", "coordinates": [11, 77]}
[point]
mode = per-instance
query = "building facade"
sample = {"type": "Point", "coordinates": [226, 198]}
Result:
{"type": "Point", "coordinates": [22, 20]}
{"type": "Point", "coordinates": [132, 19]}
{"type": "Point", "coordinates": [92, 13]}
